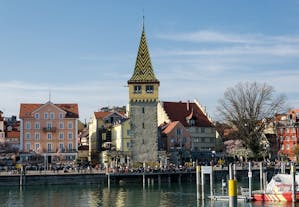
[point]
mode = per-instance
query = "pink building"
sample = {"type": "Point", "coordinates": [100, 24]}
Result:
{"type": "Point", "coordinates": [50, 130]}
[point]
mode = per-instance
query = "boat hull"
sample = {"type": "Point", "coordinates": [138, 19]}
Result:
{"type": "Point", "coordinates": [287, 196]}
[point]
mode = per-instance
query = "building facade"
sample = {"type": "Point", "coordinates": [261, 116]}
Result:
{"type": "Point", "coordinates": [100, 139]}
{"type": "Point", "coordinates": [143, 99]}
{"type": "Point", "coordinates": [50, 130]}
{"type": "Point", "coordinates": [193, 117]}
{"type": "Point", "coordinates": [287, 129]}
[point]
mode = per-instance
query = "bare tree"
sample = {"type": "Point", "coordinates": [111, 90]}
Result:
{"type": "Point", "coordinates": [246, 106]}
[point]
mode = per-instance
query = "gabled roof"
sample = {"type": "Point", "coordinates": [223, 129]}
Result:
{"type": "Point", "coordinates": [101, 114]}
{"type": "Point", "coordinates": [104, 114]}
{"type": "Point", "coordinates": [71, 109]}
{"type": "Point", "coordinates": [170, 127]}
{"type": "Point", "coordinates": [181, 111]}
{"type": "Point", "coordinates": [143, 72]}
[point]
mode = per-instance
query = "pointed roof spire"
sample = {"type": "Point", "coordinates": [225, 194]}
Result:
{"type": "Point", "coordinates": [143, 71]}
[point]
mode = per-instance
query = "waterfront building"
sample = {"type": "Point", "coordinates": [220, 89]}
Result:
{"type": "Point", "coordinates": [287, 129]}
{"type": "Point", "coordinates": [176, 141]}
{"type": "Point", "coordinates": [196, 121]}
{"type": "Point", "coordinates": [100, 125]}
{"type": "Point", "coordinates": [50, 130]}
{"type": "Point", "coordinates": [143, 99]}
{"type": "Point", "coordinates": [2, 133]}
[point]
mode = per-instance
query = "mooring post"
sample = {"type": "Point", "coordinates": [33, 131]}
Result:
{"type": "Point", "coordinates": [202, 185]}
{"type": "Point", "coordinates": [211, 183]}
{"type": "Point", "coordinates": [261, 176]}
{"type": "Point", "coordinates": [197, 181]}
{"type": "Point", "coordinates": [108, 180]}
{"type": "Point", "coordinates": [143, 179]}
{"type": "Point", "coordinates": [159, 180]}
{"type": "Point", "coordinates": [293, 172]}
{"type": "Point", "coordinates": [21, 176]}
{"type": "Point", "coordinates": [232, 188]}
{"type": "Point", "coordinates": [249, 179]}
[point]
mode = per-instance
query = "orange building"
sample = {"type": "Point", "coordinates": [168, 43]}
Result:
{"type": "Point", "coordinates": [50, 130]}
{"type": "Point", "coordinates": [288, 133]}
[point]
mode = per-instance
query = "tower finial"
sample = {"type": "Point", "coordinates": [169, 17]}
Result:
{"type": "Point", "coordinates": [143, 19]}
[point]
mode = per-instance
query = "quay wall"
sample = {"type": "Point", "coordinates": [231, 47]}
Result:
{"type": "Point", "coordinates": [115, 178]}
{"type": "Point", "coordinates": [52, 179]}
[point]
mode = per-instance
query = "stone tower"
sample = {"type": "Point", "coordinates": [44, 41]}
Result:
{"type": "Point", "coordinates": [143, 99]}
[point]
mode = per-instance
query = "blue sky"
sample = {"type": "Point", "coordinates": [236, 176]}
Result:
{"type": "Point", "coordinates": [85, 51]}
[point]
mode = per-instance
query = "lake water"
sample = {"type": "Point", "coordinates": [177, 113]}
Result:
{"type": "Point", "coordinates": [129, 195]}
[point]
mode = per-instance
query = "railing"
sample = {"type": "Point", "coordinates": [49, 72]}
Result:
{"type": "Point", "coordinates": [49, 129]}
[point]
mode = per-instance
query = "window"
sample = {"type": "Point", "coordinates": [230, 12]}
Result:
{"type": "Point", "coordinates": [28, 125]}
{"type": "Point", "coordinates": [70, 125]}
{"type": "Point", "coordinates": [128, 144]}
{"type": "Point", "coordinates": [37, 136]}
{"type": "Point", "coordinates": [36, 116]}
{"type": "Point", "coordinates": [61, 125]}
{"type": "Point", "coordinates": [70, 135]}
{"type": "Point", "coordinates": [49, 147]}
{"type": "Point", "coordinates": [28, 146]}
{"type": "Point", "coordinates": [178, 131]}
{"type": "Point", "coordinates": [37, 125]}
{"type": "Point", "coordinates": [203, 130]}
{"type": "Point", "coordinates": [294, 130]}
{"type": "Point", "coordinates": [49, 135]}
{"type": "Point", "coordinates": [149, 89]}
{"type": "Point", "coordinates": [287, 138]}
{"type": "Point", "coordinates": [28, 135]}
{"type": "Point", "coordinates": [282, 147]}
{"type": "Point", "coordinates": [61, 146]}
{"type": "Point", "coordinates": [46, 115]}
{"type": "Point", "coordinates": [37, 146]}
{"type": "Point", "coordinates": [294, 138]}
{"type": "Point", "coordinates": [60, 115]}
{"type": "Point", "coordinates": [70, 146]}
{"type": "Point", "coordinates": [49, 125]}
{"type": "Point", "coordinates": [287, 130]}
{"type": "Point", "coordinates": [143, 125]}
{"type": "Point", "coordinates": [52, 115]}
{"type": "Point", "coordinates": [287, 147]}
{"type": "Point", "coordinates": [137, 89]}
{"type": "Point", "coordinates": [143, 110]}
{"type": "Point", "coordinates": [61, 135]}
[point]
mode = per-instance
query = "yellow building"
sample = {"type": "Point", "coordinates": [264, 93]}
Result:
{"type": "Point", "coordinates": [100, 124]}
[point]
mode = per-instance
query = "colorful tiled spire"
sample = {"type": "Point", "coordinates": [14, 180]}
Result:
{"type": "Point", "coordinates": [143, 72]}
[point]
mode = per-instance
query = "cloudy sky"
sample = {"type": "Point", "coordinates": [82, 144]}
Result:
{"type": "Point", "coordinates": [84, 51]}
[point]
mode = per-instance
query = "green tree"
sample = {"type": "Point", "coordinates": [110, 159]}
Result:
{"type": "Point", "coordinates": [246, 106]}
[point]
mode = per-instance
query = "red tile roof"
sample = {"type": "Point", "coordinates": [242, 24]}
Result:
{"type": "Point", "coordinates": [13, 134]}
{"type": "Point", "coordinates": [170, 127]}
{"type": "Point", "coordinates": [71, 110]}
{"type": "Point", "coordinates": [181, 111]}
{"type": "Point", "coordinates": [102, 114]}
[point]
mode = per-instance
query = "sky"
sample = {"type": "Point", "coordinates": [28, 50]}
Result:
{"type": "Point", "coordinates": [85, 51]}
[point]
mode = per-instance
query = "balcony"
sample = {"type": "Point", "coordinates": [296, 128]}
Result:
{"type": "Point", "coordinates": [49, 129]}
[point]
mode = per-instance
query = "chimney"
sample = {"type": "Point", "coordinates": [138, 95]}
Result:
{"type": "Point", "coordinates": [188, 105]}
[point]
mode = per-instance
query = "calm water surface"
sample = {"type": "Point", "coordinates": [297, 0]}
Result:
{"type": "Point", "coordinates": [130, 195]}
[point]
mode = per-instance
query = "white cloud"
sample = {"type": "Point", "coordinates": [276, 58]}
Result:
{"type": "Point", "coordinates": [224, 37]}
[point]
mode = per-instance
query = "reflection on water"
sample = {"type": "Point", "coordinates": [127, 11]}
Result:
{"type": "Point", "coordinates": [117, 196]}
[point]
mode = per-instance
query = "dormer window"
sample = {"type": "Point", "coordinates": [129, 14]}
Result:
{"type": "Point", "coordinates": [149, 89]}
{"type": "Point", "coordinates": [137, 89]}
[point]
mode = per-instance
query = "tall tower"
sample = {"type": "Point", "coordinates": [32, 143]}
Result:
{"type": "Point", "coordinates": [143, 99]}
